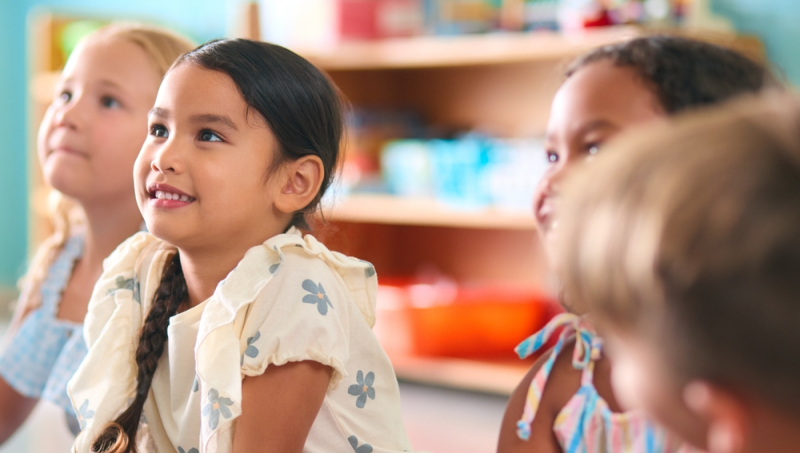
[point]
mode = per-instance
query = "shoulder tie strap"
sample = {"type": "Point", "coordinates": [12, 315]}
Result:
{"type": "Point", "coordinates": [583, 354]}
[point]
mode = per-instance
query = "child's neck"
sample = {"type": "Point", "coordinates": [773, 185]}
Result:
{"type": "Point", "coordinates": [204, 268]}
{"type": "Point", "coordinates": [107, 226]}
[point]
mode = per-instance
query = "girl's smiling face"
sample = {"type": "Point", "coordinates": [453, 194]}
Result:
{"type": "Point", "coordinates": [201, 177]}
{"type": "Point", "coordinates": [92, 131]}
{"type": "Point", "coordinates": [595, 103]}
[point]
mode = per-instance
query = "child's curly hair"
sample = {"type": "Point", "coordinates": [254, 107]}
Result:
{"type": "Point", "coordinates": [684, 73]}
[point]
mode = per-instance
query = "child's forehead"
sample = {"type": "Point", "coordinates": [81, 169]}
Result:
{"type": "Point", "coordinates": [189, 91]}
{"type": "Point", "coordinates": [602, 92]}
{"type": "Point", "coordinates": [110, 57]}
{"type": "Point", "coordinates": [191, 80]}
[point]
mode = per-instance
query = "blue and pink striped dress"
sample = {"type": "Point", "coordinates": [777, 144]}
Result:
{"type": "Point", "coordinates": [586, 424]}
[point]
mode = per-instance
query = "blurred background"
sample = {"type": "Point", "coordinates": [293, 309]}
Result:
{"type": "Point", "coordinates": [448, 104]}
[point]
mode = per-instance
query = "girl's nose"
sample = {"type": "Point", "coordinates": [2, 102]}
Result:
{"type": "Point", "coordinates": [70, 114]}
{"type": "Point", "coordinates": [167, 159]}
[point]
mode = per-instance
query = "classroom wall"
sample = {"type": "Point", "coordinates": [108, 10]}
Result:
{"type": "Point", "coordinates": [199, 19]}
{"type": "Point", "coordinates": [774, 20]}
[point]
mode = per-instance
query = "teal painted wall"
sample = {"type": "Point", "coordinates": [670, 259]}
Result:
{"type": "Point", "coordinates": [777, 22]}
{"type": "Point", "coordinates": [13, 202]}
{"type": "Point", "coordinates": [199, 19]}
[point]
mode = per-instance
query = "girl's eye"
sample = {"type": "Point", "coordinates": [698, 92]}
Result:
{"type": "Point", "coordinates": [158, 130]}
{"type": "Point", "coordinates": [109, 102]}
{"type": "Point", "coordinates": [592, 149]}
{"type": "Point", "coordinates": [65, 96]}
{"type": "Point", "coordinates": [208, 136]}
{"type": "Point", "coordinates": [552, 157]}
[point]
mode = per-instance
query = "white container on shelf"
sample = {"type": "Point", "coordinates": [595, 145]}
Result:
{"type": "Point", "coordinates": [305, 25]}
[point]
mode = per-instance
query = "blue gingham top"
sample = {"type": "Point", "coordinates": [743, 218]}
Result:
{"type": "Point", "coordinates": [46, 351]}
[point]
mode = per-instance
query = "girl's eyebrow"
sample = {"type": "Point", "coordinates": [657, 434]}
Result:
{"type": "Point", "coordinates": [596, 124]}
{"type": "Point", "coordinates": [158, 112]}
{"type": "Point", "coordinates": [111, 83]}
{"type": "Point", "coordinates": [211, 118]}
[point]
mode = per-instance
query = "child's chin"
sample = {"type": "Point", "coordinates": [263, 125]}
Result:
{"type": "Point", "coordinates": [166, 231]}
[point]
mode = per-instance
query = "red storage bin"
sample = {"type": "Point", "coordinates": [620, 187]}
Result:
{"type": "Point", "coordinates": [445, 319]}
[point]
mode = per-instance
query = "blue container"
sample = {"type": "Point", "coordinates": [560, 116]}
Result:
{"type": "Point", "coordinates": [457, 172]}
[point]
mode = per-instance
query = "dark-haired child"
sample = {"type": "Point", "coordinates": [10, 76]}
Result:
{"type": "Point", "coordinates": [684, 243]}
{"type": "Point", "coordinates": [224, 329]}
{"type": "Point", "coordinates": [566, 403]}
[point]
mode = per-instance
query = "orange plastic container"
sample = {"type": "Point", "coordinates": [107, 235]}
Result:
{"type": "Point", "coordinates": [445, 319]}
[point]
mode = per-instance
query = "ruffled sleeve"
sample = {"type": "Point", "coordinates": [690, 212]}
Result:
{"type": "Point", "coordinates": [116, 287]}
{"type": "Point", "coordinates": [288, 300]}
{"type": "Point", "coordinates": [302, 315]}
{"type": "Point", "coordinates": [106, 379]}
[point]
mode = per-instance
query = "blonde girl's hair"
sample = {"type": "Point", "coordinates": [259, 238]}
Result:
{"type": "Point", "coordinates": [162, 48]}
{"type": "Point", "coordinates": [687, 236]}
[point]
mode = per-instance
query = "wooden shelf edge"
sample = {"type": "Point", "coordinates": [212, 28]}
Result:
{"type": "Point", "coordinates": [387, 209]}
{"type": "Point", "coordinates": [463, 374]}
{"type": "Point", "coordinates": [465, 50]}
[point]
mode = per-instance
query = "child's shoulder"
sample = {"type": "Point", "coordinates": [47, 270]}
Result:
{"type": "Point", "coordinates": [303, 262]}
{"type": "Point", "coordinates": [560, 386]}
{"type": "Point", "coordinates": [127, 253]}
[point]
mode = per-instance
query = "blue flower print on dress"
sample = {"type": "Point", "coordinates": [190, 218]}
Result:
{"type": "Point", "coordinates": [251, 350]}
{"type": "Point", "coordinates": [363, 388]}
{"type": "Point", "coordinates": [84, 413]}
{"type": "Point", "coordinates": [274, 268]}
{"type": "Point", "coordinates": [365, 448]}
{"type": "Point", "coordinates": [127, 283]}
{"type": "Point", "coordinates": [317, 296]}
{"type": "Point", "coordinates": [191, 450]}
{"type": "Point", "coordinates": [216, 405]}
{"type": "Point", "coordinates": [370, 270]}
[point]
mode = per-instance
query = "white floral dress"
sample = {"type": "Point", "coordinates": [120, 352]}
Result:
{"type": "Point", "coordinates": [289, 299]}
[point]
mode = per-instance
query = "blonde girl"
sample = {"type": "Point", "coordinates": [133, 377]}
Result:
{"type": "Point", "coordinates": [87, 144]}
{"type": "Point", "coordinates": [225, 329]}
{"type": "Point", "coordinates": [686, 249]}
{"type": "Point", "coordinates": [566, 403]}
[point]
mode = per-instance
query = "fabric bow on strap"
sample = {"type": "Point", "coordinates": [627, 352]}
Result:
{"type": "Point", "coordinates": [588, 347]}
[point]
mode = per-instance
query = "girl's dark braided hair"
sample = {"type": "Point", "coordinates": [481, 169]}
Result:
{"type": "Point", "coordinates": [119, 436]}
{"type": "Point", "coordinates": [303, 111]}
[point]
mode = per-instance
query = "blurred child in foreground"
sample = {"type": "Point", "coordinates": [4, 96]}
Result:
{"type": "Point", "coordinates": [684, 244]}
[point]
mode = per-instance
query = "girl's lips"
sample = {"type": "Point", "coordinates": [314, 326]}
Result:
{"type": "Point", "coordinates": [166, 196]}
{"type": "Point", "coordinates": [66, 150]}
{"type": "Point", "coordinates": [168, 204]}
{"type": "Point", "coordinates": [545, 213]}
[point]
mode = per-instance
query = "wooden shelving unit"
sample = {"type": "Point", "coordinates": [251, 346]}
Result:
{"type": "Point", "coordinates": [486, 376]}
{"type": "Point", "coordinates": [500, 84]}
{"type": "Point", "coordinates": [387, 209]}
{"type": "Point", "coordinates": [470, 50]}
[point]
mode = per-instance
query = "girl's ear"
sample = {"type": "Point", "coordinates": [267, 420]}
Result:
{"type": "Point", "coordinates": [300, 181]}
{"type": "Point", "coordinates": [729, 425]}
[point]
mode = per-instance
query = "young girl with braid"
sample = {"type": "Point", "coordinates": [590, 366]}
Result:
{"type": "Point", "coordinates": [224, 329]}
{"type": "Point", "coordinates": [566, 403]}
{"type": "Point", "coordinates": [87, 143]}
